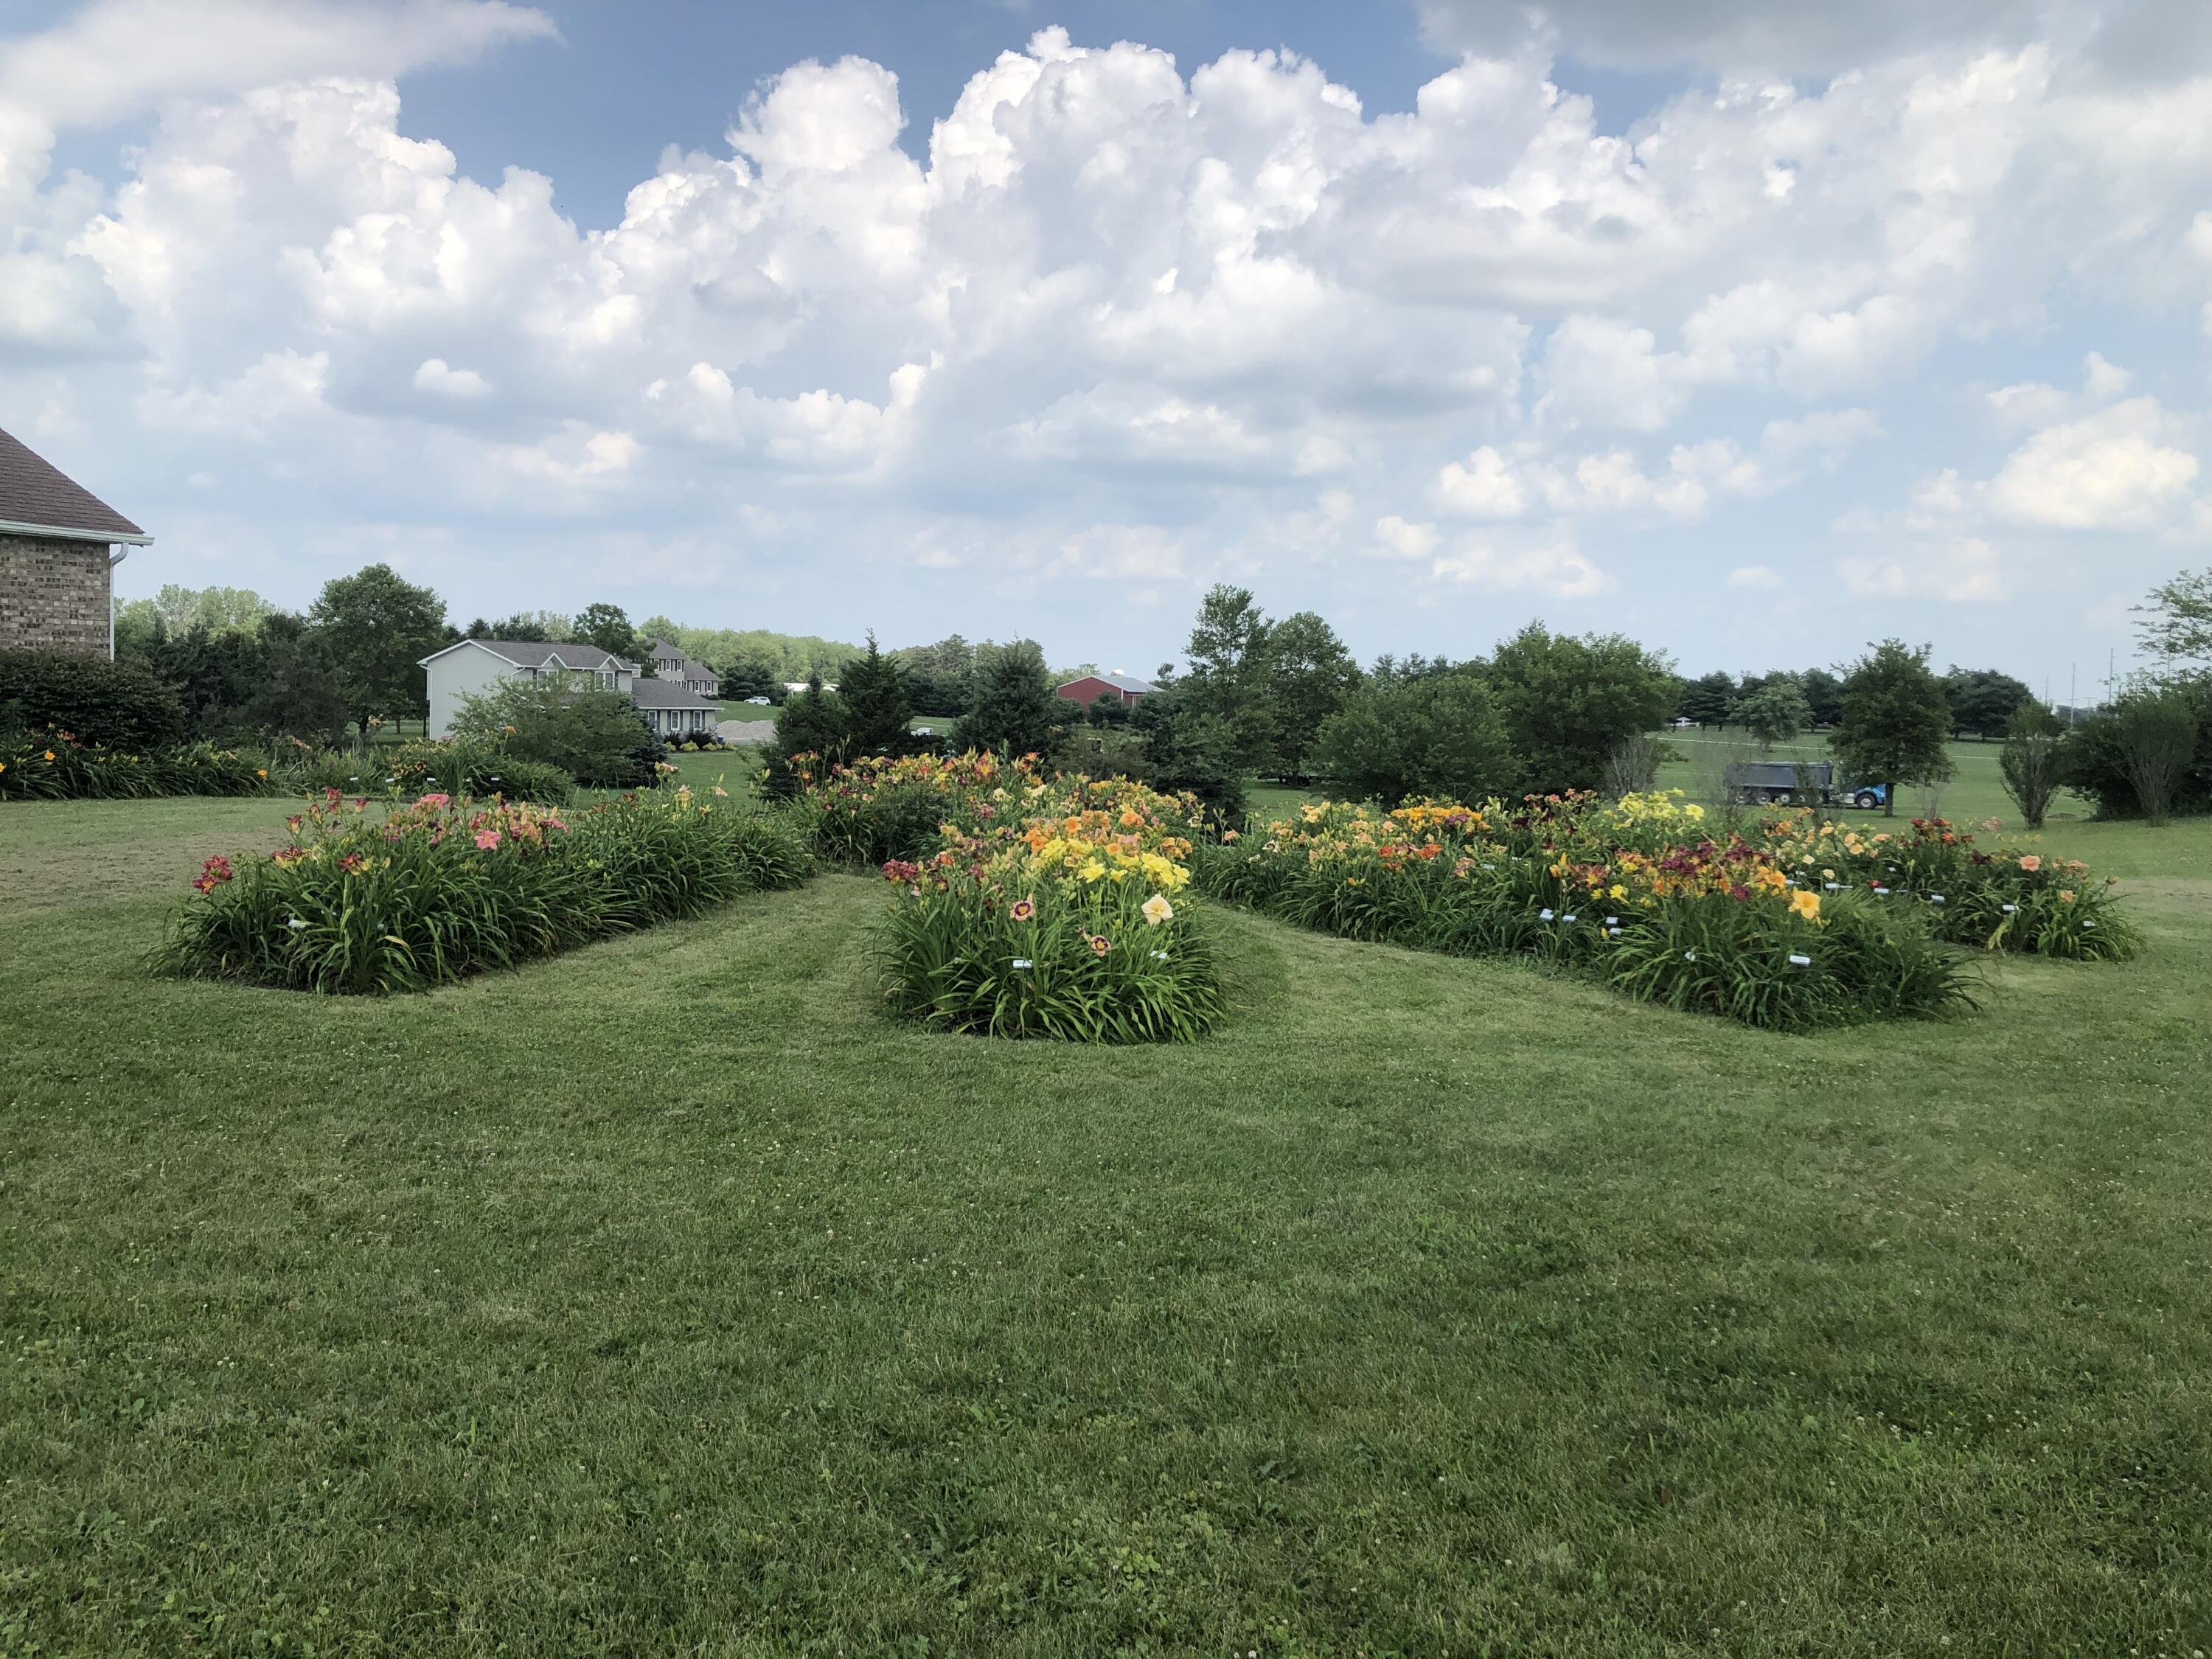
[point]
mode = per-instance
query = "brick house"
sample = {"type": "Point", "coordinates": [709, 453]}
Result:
{"type": "Point", "coordinates": [56, 538]}
{"type": "Point", "coordinates": [1092, 687]}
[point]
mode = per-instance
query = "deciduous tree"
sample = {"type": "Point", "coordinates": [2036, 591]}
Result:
{"type": "Point", "coordinates": [378, 627]}
{"type": "Point", "coordinates": [2032, 761]}
{"type": "Point", "coordinates": [1308, 676]}
{"type": "Point", "coordinates": [1895, 721]}
{"type": "Point", "coordinates": [2177, 624]}
{"type": "Point", "coordinates": [1775, 713]}
{"type": "Point", "coordinates": [607, 626]}
{"type": "Point", "coordinates": [1566, 701]}
{"type": "Point", "coordinates": [1439, 735]}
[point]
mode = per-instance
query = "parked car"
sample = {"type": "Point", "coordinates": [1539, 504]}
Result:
{"type": "Point", "coordinates": [757, 703]}
{"type": "Point", "coordinates": [1798, 783]}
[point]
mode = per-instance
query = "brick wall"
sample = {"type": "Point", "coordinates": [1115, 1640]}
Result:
{"type": "Point", "coordinates": [53, 596]}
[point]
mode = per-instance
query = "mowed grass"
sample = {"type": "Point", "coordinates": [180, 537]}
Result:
{"type": "Point", "coordinates": [1975, 792]}
{"type": "Point", "coordinates": [667, 1298]}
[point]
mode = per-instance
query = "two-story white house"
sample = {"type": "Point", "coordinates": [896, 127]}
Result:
{"type": "Point", "coordinates": [670, 664]}
{"type": "Point", "coordinates": [473, 667]}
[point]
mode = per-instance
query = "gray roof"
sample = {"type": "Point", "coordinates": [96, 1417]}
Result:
{"type": "Point", "coordinates": [1127, 683]}
{"type": "Point", "coordinates": [667, 694]}
{"type": "Point", "coordinates": [661, 652]}
{"type": "Point", "coordinates": [536, 653]}
{"type": "Point", "coordinates": [35, 495]}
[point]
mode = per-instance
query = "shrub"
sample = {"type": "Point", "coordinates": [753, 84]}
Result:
{"type": "Point", "coordinates": [1069, 924]}
{"type": "Point", "coordinates": [1397, 740]}
{"type": "Point", "coordinates": [1104, 750]}
{"type": "Point", "coordinates": [108, 705]}
{"type": "Point", "coordinates": [2032, 760]}
{"type": "Point", "coordinates": [2095, 764]}
{"type": "Point", "coordinates": [814, 724]}
{"type": "Point", "coordinates": [364, 903]}
{"type": "Point", "coordinates": [598, 738]}
{"type": "Point", "coordinates": [2155, 726]}
{"type": "Point", "coordinates": [1632, 768]}
{"type": "Point", "coordinates": [1566, 701]}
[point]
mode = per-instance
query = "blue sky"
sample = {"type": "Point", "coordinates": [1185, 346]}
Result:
{"type": "Point", "coordinates": [1754, 330]}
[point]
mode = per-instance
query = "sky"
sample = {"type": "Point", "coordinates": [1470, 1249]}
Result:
{"type": "Point", "coordinates": [1756, 330]}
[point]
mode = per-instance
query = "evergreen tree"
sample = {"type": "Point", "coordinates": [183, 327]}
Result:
{"type": "Point", "coordinates": [1982, 700]}
{"type": "Point", "coordinates": [814, 721]}
{"type": "Point", "coordinates": [750, 674]}
{"type": "Point", "coordinates": [874, 692]}
{"type": "Point", "coordinates": [1013, 708]}
{"type": "Point", "coordinates": [1824, 695]}
{"type": "Point", "coordinates": [1894, 722]}
{"type": "Point", "coordinates": [1708, 699]}
{"type": "Point", "coordinates": [1185, 749]}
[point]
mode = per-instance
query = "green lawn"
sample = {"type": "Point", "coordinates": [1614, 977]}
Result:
{"type": "Point", "coordinates": [1977, 792]}
{"type": "Point", "coordinates": [666, 1297]}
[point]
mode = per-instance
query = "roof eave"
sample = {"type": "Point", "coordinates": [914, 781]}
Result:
{"type": "Point", "coordinates": [105, 537]}
{"type": "Point", "coordinates": [424, 662]}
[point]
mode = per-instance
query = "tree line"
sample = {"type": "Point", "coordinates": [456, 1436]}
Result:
{"type": "Point", "coordinates": [1785, 704]}
{"type": "Point", "coordinates": [1279, 698]}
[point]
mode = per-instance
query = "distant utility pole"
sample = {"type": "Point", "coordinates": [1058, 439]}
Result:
{"type": "Point", "coordinates": [2073, 694]}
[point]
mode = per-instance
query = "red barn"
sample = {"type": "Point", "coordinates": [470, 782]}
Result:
{"type": "Point", "coordinates": [1092, 687]}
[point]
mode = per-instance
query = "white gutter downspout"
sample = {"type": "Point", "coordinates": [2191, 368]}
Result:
{"type": "Point", "coordinates": [114, 558]}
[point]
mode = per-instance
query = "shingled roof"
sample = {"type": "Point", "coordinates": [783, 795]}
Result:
{"type": "Point", "coordinates": [667, 694]}
{"type": "Point", "coordinates": [36, 498]}
{"type": "Point", "coordinates": [536, 653]}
